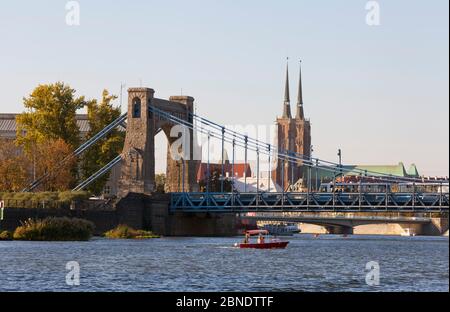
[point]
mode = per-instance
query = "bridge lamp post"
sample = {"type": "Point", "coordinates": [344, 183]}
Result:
{"type": "Point", "coordinates": [340, 161]}
{"type": "Point", "coordinates": [178, 176]}
{"type": "Point", "coordinates": [245, 164]}
{"type": "Point", "coordinates": [257, 170]}
{"type": "Point", "coordinates": [183, 170]}
{"type": "Point", "coordinates": [317, 175]}
{"type": "Point", "coordinates": [223, 169]}
{"type": "Point", "coordinates": [183, 176]}
{"type": "Point", "coordinates": [292, 172]}
{"type": "Point", "coordinates": [269, 171]}
{"type": "Point", "coordinates": [334, 189]}
{"type": "Point", "coordinates": [282, 180]}
{"type": "Point", "coordinates": [340, 157]}
{"type": "Point", "coordinates": [232, 165]}
{"type": "Point", "coordinates": [311, 150]}
{"type": "Point", "coordinates": [207, 167]}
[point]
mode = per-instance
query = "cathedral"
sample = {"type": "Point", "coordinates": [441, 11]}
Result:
{"type": "Point", "coordinates": [293, 136]}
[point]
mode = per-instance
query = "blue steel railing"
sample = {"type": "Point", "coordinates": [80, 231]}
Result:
{"type": "Point", "coordinates": [280, 202]}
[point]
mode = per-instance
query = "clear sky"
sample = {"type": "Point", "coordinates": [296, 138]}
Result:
{"type": "Point", "coordinates": [380, 93]}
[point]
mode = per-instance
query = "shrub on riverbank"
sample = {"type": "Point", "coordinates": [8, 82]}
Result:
{"type": "Point", "coordinates": [126, 232]}
{"type": "Point", "coordinates": [55, 229]}
{"type": "Point", "coordinates": [42, 199]}
{"type": "Point", "coordinates": [6, 236]}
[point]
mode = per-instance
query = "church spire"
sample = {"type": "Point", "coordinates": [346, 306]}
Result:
{"type": "Point", "coordinates": [287, 100]}
{"type": "Point", "coordinates": [300, 114]}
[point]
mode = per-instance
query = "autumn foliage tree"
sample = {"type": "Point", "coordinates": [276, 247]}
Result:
{"type": "Point", "coordinates": [13, 171]}
{"type": "Point", "coordinates": [17, 168]}
{"type": "Point", "coordinates": [49, 156]}
{"type": "Point", "coordinates": [47, 132]}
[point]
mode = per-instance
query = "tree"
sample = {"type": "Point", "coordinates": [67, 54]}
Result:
{"type": "Point", "coordinates": [50, 115]}
{"type": "Point", "coordinates": [215, 184]}
{"type": "Point", "coordinates": [106, 149]}
{"type": "Point", "coordinates": [16, 168]}
{"type": "Point", "coordinates": [61, 177]}
{"type": "Point", "coordinates": [49, 120]}
{"type": "Point", "coordinates": [13, 167]}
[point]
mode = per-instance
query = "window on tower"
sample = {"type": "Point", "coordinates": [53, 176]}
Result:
{"type": "Point", "coordinates": [136, 108]}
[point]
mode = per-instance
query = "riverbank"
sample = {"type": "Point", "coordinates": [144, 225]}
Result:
{"type": "Point", "coordinates": [67, 229]}
{"type": "Point", "coordinates": [125, 232]}
{"type": "Point", "coordinates": [54, 229]}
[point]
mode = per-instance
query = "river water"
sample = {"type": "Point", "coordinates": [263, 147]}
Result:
{"type": "Point", "coordinates": [326, 263]}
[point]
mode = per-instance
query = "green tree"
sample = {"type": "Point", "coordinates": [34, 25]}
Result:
{"type": "Point", "coordinates": [50, 115]}
{"type": "Point", "coordinates": [106, 149]}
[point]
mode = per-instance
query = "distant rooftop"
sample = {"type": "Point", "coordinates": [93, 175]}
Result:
{"type": "Point", "coordinates": [394, 170]}
{"type": "Point", "coordinates": [372, 170]}
{"type": "Point", "coordinates": [8, 125]}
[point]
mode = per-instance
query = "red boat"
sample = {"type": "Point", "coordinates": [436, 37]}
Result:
{"type": "Point", "coordinates": [263, 241]}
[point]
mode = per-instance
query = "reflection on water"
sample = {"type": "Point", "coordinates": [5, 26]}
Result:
{"type": "Point", "coordinates": [327, 263]}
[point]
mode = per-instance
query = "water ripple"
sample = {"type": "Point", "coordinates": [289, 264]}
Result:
{"type": "Point", "coordinates": [329, 263]}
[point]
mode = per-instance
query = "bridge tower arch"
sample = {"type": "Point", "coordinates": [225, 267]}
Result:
{"type": "Point", "coordinates": [183, 169]}
{"type": "Point", "coordinates": [138, 155]}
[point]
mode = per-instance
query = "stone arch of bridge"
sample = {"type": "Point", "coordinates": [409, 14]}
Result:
{"type": "Point", "coordinates": [138, 172]}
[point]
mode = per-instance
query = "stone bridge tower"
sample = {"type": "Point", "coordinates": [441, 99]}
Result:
{"type": "Point", "coordinates": [294, 135]}
{"type": "Point", "coordinates": [138, 155]}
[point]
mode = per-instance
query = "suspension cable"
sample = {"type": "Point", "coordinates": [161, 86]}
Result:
{"type": "Point", "coordinates": [254, 145]}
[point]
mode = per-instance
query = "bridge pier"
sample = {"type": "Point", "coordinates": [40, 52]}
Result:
{"type": "Point", "coordinates": [151, 212]}
{"type": "Point", "coordinates": [364, 223]}
{"type": "Point", "coordinates": [201, 224]}
{"type": "Point", "coordinates": [338, 230]}
{"type": "Point", "coordinates": [437, 226]}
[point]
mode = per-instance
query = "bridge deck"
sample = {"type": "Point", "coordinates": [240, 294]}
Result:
{"type": "Point", "coordinates": [314, 218]}
{"type": "Point", "coordinates": [285, 202]}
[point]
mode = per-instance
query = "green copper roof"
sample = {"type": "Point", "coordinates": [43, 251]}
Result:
{"type": "Point", "coordinates": [412, 171]}
{"type": "Point", "coordinates": [374, 170]}
{"type": "Point", "coordinates": [395, 170]}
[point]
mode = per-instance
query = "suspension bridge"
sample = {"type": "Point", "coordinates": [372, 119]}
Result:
{"type": "Point", "coordinates": [268, 200]}
{"type": "Point", "coordinates": [147, 116]}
